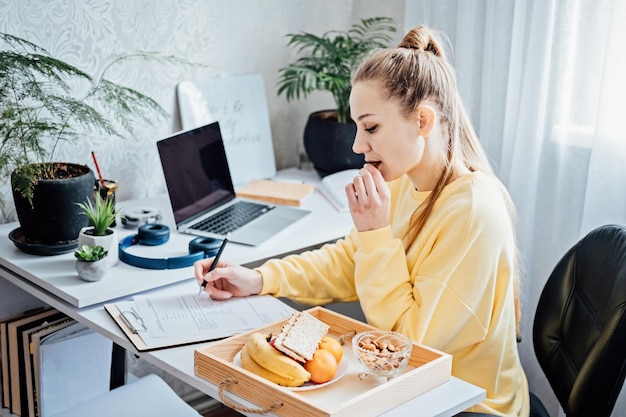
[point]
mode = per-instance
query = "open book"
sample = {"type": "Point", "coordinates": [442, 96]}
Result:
{"type": "Point", "coordinates": [333, 187]}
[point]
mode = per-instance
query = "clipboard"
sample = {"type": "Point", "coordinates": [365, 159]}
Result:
{"type": "Point", "coordinates": [222, 318]}
{"type": "Point", "coordinates": [130, 332]}
{"type": "Point", "coordinates": [133, 333]}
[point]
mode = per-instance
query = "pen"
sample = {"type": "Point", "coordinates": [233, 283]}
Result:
{"type": "Point", "coordinates": [213, 265]}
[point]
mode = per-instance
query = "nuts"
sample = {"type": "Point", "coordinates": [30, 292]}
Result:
{"type": "Point", "coordinates": [369, 346]}
{"type": "Point", "coordinates": [382, 353]}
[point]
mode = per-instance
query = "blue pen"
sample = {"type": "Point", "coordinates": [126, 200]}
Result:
{"type": "Point", "coordinates": [213, 265]}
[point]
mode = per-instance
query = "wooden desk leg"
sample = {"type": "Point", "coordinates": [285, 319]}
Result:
{"type": "Point", "coordinates": [118, 366]}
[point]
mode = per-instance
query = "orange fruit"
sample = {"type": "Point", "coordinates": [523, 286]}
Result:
{"type": "Point", "coordinates": [333, 346]}
{"type": "Point", "coordinates": [322, 367]}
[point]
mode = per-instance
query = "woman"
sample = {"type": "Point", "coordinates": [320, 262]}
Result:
{"type": "Point", "coordinates": [432, 254]}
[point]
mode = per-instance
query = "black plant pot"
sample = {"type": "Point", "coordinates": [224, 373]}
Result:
{"type": "Point", "coordinates": [328, 143]}
{"type": "Point", "coordinates": [54, 216]}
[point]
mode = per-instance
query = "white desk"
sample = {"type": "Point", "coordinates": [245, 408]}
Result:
{"type": "Point", "coordinates": [57, 275]}
{"type": "Point", "coordinates": [53, 281]}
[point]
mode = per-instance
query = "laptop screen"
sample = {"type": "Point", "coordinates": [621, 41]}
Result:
{"type": "Point", "coordinates": [196, 171]}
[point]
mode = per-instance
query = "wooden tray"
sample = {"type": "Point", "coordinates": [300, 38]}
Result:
{"type": "Point", "coordinates": [349, 396]}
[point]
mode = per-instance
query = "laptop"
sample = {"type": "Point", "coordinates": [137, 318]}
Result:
{"type": "Point", "coordinates": [202, 195]}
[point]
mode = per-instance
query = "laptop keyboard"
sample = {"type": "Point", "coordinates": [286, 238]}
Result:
{"type": "Point", "coordinates": [232, 217]}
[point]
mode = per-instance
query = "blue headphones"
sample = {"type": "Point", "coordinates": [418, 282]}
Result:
{"type": "Point", "coordinates": [153, 234]}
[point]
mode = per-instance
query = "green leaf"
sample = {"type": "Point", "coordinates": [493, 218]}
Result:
{"type": "Point", "coordinates": [43, 103]}
{"type": "Point", "coordinates": [326, 62]}
{"type": "Point", "coordinates": [101, 215]}
{"type": "Point", "coordinates": [90, 253]}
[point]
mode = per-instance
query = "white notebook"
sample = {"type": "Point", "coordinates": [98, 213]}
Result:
{"type": "Point", "coordinates": [333, 187]}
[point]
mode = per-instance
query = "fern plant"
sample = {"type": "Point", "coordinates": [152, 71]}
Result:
{"type": "Point", "coordinates": [328, 61]}
{"type": "Point", "coordinates": [101, 214]}
{"type": "Point", "coordinates": [45, 101]}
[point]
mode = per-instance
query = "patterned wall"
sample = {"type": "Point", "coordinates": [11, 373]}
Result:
{"type": "Point", "coordinates": [225, 36]}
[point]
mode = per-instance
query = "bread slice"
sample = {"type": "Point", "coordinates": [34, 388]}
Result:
{"type": "Point", "coordinates": [300, 336]}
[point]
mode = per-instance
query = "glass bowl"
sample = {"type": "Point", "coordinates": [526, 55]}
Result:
{"type": "Point", "coordinates": [381, 353]}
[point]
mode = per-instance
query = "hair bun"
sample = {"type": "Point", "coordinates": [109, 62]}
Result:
{"type": "Point", "coordinates": [421, 38]}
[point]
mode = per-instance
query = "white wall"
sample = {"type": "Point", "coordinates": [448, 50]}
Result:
{"type": "Point", "coordinates": [227, 36]}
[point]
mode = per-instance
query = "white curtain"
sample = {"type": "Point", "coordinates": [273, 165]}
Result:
{"type": "Point", "coordinates": [545, 84]}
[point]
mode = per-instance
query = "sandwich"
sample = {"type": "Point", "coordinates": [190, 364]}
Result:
{"type": "Point", "coordinates": [300, 336]}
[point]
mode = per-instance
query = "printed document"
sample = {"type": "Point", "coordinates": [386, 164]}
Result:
{"type": "Point", "coordinates": [169, 320]}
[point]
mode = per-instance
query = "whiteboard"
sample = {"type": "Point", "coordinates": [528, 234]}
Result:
{"type": "Point", "coordinates": [238, 103]}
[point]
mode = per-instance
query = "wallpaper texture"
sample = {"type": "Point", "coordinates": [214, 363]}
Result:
{"type": "Point", "coordinates": [221, 36]}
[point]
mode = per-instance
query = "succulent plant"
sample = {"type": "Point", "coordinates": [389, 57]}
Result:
{"type": "Point", "coordinates": [90, 253]}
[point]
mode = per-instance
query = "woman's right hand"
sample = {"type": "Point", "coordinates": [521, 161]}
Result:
{"type": "Point", "coordinates": [227, 279]}
{"type": "Point", "coordinates": [369, 199]}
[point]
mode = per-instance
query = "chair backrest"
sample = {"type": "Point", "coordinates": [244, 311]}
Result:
{"type": "Point", "coordinates": [579, 331]}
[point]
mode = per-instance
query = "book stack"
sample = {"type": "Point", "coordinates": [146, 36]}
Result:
{"type": "Point", "coordinates": [276, 192]}
{"type": "Point", "coordinates": [50, 362]}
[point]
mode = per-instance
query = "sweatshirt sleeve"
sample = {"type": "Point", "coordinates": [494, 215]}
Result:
{"type": "Point", "coordinates": [315, 277]}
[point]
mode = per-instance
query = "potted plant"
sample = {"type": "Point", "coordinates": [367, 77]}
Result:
{"type": "Point", "coordinates": [43, 102]}
{"type": "Point", "coordinates": [326, 64]}
{"type": "Point", "coordinates": [91, 262]}
{"type": "Point", "coordinates": [101, 217]}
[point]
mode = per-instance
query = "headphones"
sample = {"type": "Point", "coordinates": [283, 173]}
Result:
{"type": "Point", "coordinates": [153, 234]}
{"type": "Point", "coordinates": [136, 217]}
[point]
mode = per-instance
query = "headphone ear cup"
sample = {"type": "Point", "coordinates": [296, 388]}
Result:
{"type": "Point", "coordinates": [210, 246]}
{"type": "Point", "coordinates": [153, 234]}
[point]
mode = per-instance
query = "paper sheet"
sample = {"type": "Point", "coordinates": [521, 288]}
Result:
{"type": "Point", "coordinates": [181, 319]}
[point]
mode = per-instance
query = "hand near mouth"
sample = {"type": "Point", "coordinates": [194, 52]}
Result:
{"type": "Point", "coordinates": [369, 199]}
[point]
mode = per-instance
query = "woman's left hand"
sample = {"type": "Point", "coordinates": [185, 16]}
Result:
{"type": "Point", "coordinates": [369, 200]}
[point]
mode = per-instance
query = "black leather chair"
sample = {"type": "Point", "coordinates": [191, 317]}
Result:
{"type": "Point", "coordinates": [579, 330]}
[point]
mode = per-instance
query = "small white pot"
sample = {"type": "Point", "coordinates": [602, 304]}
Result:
{"type": "Point", "coordinates": [92, 271]}
{"type": "Point", "coordinates": [109, 242]}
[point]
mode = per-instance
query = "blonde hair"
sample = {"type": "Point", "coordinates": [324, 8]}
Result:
{"type": "Point", "coordinates": [416, 71]}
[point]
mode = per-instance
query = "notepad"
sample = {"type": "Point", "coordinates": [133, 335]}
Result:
{"type": "Point", "coordinates": [277, 192]}
{"type": "Point", "coordinates": [333, 188]}
{"type": "Point", "coordinates": [155, 322]}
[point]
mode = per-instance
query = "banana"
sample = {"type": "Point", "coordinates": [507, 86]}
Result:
{"type": "Point", "coordinates": [249, 364]}
{"type": "Point", "coordinates": [271, 359]}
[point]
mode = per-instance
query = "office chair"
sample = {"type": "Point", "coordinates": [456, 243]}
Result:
{"type": "Point", "coordinates": [579, 330]}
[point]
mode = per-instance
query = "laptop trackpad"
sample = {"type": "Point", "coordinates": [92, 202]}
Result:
{"type": "Point", "coordinates": [267, 225]}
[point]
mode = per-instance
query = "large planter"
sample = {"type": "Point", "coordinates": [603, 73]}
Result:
{"type": "Point", "coordinates": [54, 217]}
{"type": "Point", "coordinates": [328, 143]}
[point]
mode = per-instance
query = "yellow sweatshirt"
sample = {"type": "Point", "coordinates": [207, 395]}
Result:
{"type": "Point", "coordinates": [453, 290]}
